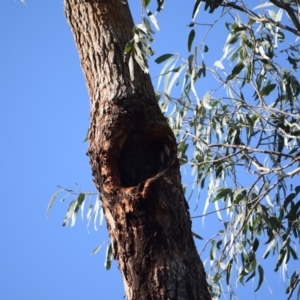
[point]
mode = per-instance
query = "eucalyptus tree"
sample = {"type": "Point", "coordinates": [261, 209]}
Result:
{"type": "Point", "coordinates": [133, 155]}
{"type": "Point", "coordinates": [238, 137]}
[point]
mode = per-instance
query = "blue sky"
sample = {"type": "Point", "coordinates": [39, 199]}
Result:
{"type": "Point", "coordinates": [45, 116]}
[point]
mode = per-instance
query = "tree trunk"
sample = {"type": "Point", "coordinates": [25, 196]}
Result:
{"type": "Point", "coordinates": [134, 161]}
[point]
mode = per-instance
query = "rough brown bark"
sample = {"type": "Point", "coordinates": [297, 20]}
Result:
{"type": "Point", "coordinates": [133, 157]}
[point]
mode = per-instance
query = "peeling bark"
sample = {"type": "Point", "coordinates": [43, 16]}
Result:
{"type": "Point", "coordinates": [133, 155]}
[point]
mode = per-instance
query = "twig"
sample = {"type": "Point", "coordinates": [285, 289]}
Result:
{"type": "Point", "coordinates": [289, 11]}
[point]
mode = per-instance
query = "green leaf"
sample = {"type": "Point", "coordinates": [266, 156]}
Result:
{"type": "Point", "coordinates": [154, 21]}
{"type": "Point", "coordinates": [236, 70]}
{"type": "Point", "coordinates": [197, 236]}
{"type": "Point", "coordinates": [297, 189]}
{"type": "Point", "coordinates": [293, 61]}
{"type": "Point", "coordinates": [222, 194]}
{"type": "Point", "coordinates": [232, 39]}
{"type": "Point", "coordinates": [196, 9]}
{"type": "Point", "coordinates": [147, 24]}
{"type": "Point", "coordinates": [175, 78]}
{"type": "Point", "coordinates": [294, 254]}
{"type": "Point", "coordinates": [255, 245]}
{"type": "Point", "coordinates": [203, 68]}
{"type": "Point", "coordinates": [260, 278]}
{"type": "Point", "coordinates": [191, 61]}
{"type": "Point", "coordinates": [191, 39]}
{"type": "Point", "coordinates": [281, 256]}
{"type": "Point", "coordinates": [205, 48]}
{"type": "Point", "coordinates": [228, 271]}
{"type": "Point", "coordinates": [294, 279]}
{"type": "Point", "coordinates": [80, 200]}
{"type": "Point", "coordinates": [219, 244]}
{"type": "Point", "coordinates": [51, 202]}
{"type": "Point", "coordinates": [97, 249]}
{"type": "Point", "coordinates": [163, 57]}
{"type": "Point", "coordinates": [129, 46]}
{"type": "Point", "coordinates": [288, 199]}
{"type": "Point", "coordinates": [251, 276]}
{"type": "Point", "coordinates": [160, 5]}
{"type": "Point", "coordinates": [109, 257]}
{"type": "Point", "coordinates": [212, 250]}
{"type": "Point", "coordinates": [267, 90]}
{"type": "Point", "coordinates": [145, 2]}
{"type": "Point", "coordinates": [70, 212]}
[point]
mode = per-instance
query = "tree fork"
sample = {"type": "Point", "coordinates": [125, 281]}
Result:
{"type": "Point", "coordinates": [133, 155]}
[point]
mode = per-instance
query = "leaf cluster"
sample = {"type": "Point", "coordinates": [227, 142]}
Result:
{"type": "Point", "coordinates": [138, 48]}
{"type": "Point", "coordinates": [240, 139]}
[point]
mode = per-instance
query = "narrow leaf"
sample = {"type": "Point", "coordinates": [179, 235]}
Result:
{"type": "Point", "coordinates": [267, 90]}
{"type": "Point", "coordinates": [101, 216]}
{"type": "Point", "coordinates": [261, 277]}
{"type": "Point", "coordinates": [160, 5]}
{"type": "Point", "coordinates": [288, 199]}
{"type": "Point", "coordinates": [251, 276]}
{"type": "Point", "coordinates": [222, 194]}
{"type": "Point", "coordinates": [108, 258]}
{"type": "Point", "coordinates": [219, 65]}
{"type": "Point", "coordinates": [97, 249]}
{"type": "Point", "coordinates": [89, 214]}
{"type": "Point", "coordinates": [196, 9]}
{"type": "Point", "coordinates": [145, 2]}
{"type": "Point", "coordinates": [131, 68]}
{"type": "Point", "coordinates": [175, 78]}
{"type": "Point", "coordinates": [191, 39]}
{"type": "Point", "coordinates": [197, 236]}
{"type": "Point", "coordinates": [80, 200]}
{"type": "Point", "coordinates": [255, 244]}
{"type": "Point", "coordinates": [70, 212]}
{"type": "Point", "coordinates": [163, 57]}
{"type": "Point", "coordinates": [264, 5]}
{"type": "Point", "coordinates": [51, 202]}
{"type": "Point", "coordinates": [236, 70]}
{"type": "Point", "coordinates": [228, 271]}
{"type": "Point", "coordinates": [129, 46]}
{"type": "Point", "coordinates": [96, 211]}
{"type": "Point", "coordinates": [154, 21]}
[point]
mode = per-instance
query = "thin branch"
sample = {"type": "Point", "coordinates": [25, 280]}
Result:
{"type": "Point", "coordinates": [289, 11]}
{"type": "Point", "coordinates": [214, 211]}
{"type": "Point", "coordinates": [247, 148]}
{"type": "Point", "coordinates": [275, 110]}
{"type": "Point", "coordinates": [216, 160]}
{"type": "Point", "coordinates": [256, 17]}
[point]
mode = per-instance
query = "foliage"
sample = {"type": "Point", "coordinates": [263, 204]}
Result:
{"type": "Point", "coordinates": [94, 213]}
{"type": "Point", "coordinates": [138, 48]}
{"type": "Point", "coordinates": [247, 123]}
{"type": "Point", "coordinates": [239, 138]}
